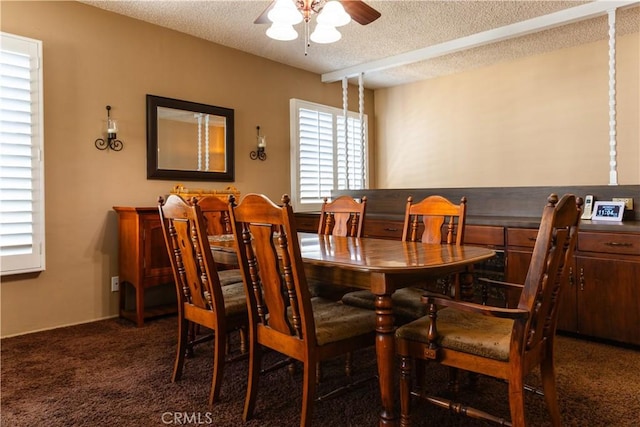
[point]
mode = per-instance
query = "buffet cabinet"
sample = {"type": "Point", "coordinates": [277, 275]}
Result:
{"type": "Point", "coordinates": [603, 297]}
{"type": "Point", "coordinates": [143, 262]}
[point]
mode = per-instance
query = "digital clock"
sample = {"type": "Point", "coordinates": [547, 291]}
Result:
{"type": "Point", "coordinates": [608, 211]}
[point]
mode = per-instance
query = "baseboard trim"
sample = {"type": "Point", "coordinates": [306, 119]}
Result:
{"type": "Point", "coordinates": [59, 326]}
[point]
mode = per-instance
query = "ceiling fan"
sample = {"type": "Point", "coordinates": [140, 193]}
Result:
{"type": "Point", "coordinates": [283, 14]}
{"type": "Point", "coordinates": [359, 11]}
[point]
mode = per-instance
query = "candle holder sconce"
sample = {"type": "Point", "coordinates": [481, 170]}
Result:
{"type": "Point", "coordinates": [112, 142]}
{"type": "Point", "coordinates": [262, 145]}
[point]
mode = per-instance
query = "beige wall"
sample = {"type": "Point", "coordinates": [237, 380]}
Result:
{"type": "Point", "coordinates": [93, 58]}
{"type": "Point", "coordinates": [542, 120]}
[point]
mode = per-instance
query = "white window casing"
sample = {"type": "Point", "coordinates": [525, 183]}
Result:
{"type": "Point", "coordinates": [22, 247]}
{"type": "Point", "coordinates": [321, 159]}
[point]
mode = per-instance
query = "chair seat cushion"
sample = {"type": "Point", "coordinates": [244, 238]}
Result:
{"type": "Point", "coordinates": [471, 333]}
{"type": "Point", "coordinates": [235, 301]}
{"type": "Point", "coordinates": [406, 302]}
{"type": "Point", "coordinates": [227, 277]}
{"type": "Point", "coordinates": [336, 321]}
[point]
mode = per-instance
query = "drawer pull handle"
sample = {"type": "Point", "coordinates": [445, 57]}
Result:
{"type": "Point", "coordinates": [626, 245]}
{"type": "Point", "coordinates": [532, 239]}
{"type": "Point", "coordinates": [390, 229]}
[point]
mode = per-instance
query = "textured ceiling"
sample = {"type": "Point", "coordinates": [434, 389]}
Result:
{"type": "Point", "coordinates": [404, 26]}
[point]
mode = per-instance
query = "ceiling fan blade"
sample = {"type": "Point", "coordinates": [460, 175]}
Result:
{"type": "Point", "coordinates": [360, 12]}
{"type": "Point", "coordinates": [263, 18]}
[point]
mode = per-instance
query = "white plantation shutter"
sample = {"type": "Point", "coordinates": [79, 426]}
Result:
{"type": "Point", "coordinates": [350, 156]}
{"type": "Point", "coordinates": [316, 155]}
{"type": "Point", "coordinates": [21, 168]}
{"type": "Point", "coordinates": [321, 160]}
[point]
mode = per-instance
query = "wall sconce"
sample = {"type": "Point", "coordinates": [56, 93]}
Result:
{"type": "Point", "coordinates": [262, 144]}
{"type": "Point", "coordinates": [112, 129]}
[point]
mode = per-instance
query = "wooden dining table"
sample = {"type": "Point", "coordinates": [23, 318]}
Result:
{"type": "Point", "coordinates": [380, 266]}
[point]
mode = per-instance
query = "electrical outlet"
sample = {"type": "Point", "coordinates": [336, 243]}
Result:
{"type": "Point", "coordinates": [628, 202]}
{"type": "Point", "coordinates": [115, 284]}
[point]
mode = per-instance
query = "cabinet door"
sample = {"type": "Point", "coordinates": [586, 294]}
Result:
{"type": "Point", "coordinates": [520, 242]}
{"type": "Point", "coordinates": [609, 299]}
{"type": "Point", "coordinates": [156, 263]}
{"type": "Point", "coordinates": [568, 311]}
{"type": "Point", "coordinates": [517, 265]}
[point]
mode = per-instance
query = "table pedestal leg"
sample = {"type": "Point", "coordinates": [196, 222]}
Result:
{"type": "Point", "coordinates": [385, 352]}
{"type": "Point", "coordinates": [466, 286]}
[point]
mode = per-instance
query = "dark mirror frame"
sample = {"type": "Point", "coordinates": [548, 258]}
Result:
{"type": "Point", "coordinates": [153, 172]}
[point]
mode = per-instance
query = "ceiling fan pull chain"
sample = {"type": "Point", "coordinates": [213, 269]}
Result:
{"type": "Point", "coordinates": [307, 43]}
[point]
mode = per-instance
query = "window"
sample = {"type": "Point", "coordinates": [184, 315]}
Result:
{"type": "Point", "coordinates": [21, 156]}
{"type": "Point", "coordinates": [322, 159]}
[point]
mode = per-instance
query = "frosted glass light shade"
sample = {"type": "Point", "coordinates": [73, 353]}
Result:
{"type": "Point", "coordinates": [282, 32]}
{"type": "Point", "coordinates": [112, 126]}
{"type": "Point", "coordinates": [285, 12]}
{"type": "Point", "coordinates": [325, 34]}
{"type": "Point", "coordinates": [333, 14]}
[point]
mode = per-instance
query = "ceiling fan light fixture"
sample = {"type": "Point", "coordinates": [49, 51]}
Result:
{"type": "Point", "coordinates": [285, 12]}
{"type": "Point", "coordinates": [282, 32]}
{"type": "Point", "coordinates": [324, 34]}
{"type": "Point", "coordinates": [333, 14]}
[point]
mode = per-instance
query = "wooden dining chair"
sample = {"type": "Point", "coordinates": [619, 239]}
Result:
{"type": "Point", "coordinates": [283, 316]}
{"type": "Point", "coordinates": [495, 341]}
{"type": "Point", "coordinates": [216, 216]}
{"type": "Point", "coordinates": [202, 300]}
{"type": "Point", "coordinates": [343, 216]}
{"type": "Point", "coordinates": [434, 219]}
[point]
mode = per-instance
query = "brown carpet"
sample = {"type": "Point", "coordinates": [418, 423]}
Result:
{"type": "Point", "coordinates": [110, 373]}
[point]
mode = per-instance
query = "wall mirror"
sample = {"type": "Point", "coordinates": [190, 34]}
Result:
{"type": "Point", "coordinates": [189, 141]}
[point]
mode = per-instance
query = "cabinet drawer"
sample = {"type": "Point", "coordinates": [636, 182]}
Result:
{"type": "Point", "coordinates": [483, 235]}
{"type": "Point", "coordinates": [383, 229]}
{"type": "Point", "coordinates": [611, 243]}
{"type": "Point", "coordinates": [524, 237]}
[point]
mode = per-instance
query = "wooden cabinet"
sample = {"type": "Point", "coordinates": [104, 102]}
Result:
{"type": "Point", "coordinates": [520, 242]}
{"type": "Point", "coordinates": [603, 296]}
{"type": "Point", "coordinates": [143, 260]}
{"type": "Point", "coordinates": [608, 286]}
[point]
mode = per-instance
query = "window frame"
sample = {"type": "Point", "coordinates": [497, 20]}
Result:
{"type": "Point", "coordinates": [294, 106]}
{"type": "Point", "coordinates": [36, 260]}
